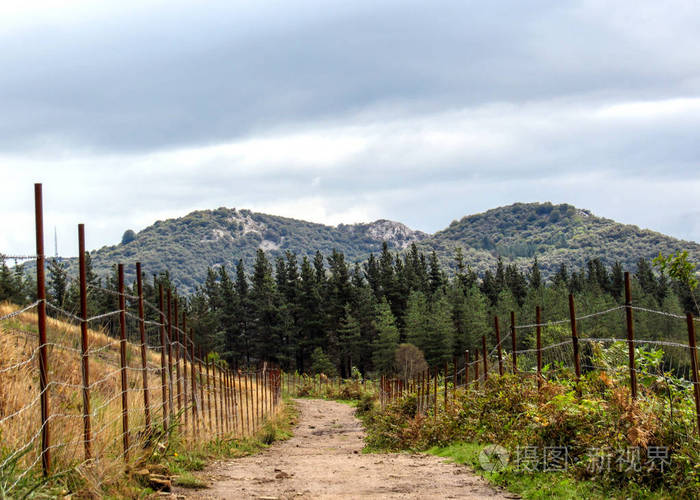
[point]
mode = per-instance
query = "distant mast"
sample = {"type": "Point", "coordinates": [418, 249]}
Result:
{"type": "Point", "coordinates": [55, 241]}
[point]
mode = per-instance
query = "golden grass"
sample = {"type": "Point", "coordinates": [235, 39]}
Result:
{"type": "Point", "coordinates": [19, 396]}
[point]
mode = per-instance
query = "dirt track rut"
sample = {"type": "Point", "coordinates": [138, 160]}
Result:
{"type": "Point", "coordinates": [324, 460]}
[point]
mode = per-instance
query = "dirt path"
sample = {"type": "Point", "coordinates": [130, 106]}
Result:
{"type": "Point", "coordinates": [324, 460]}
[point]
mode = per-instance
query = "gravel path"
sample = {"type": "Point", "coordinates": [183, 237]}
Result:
{"type": "Point", "coordinates": [324, 460]}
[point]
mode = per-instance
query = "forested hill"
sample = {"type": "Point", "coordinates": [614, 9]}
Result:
{"type": "Point", "coordinates": [188, 245]}
{"type": "Point", "coordinates": [556, 234]}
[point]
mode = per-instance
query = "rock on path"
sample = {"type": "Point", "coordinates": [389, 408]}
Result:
{"type": "Point", "coordinates": [324, 460]}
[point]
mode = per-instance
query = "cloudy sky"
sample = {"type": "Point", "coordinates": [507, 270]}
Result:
{"type": "Point", "coordinates": [418, 111]}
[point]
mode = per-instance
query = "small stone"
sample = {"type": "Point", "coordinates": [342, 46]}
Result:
{"type": "Point", "coordinates": [159, 482]}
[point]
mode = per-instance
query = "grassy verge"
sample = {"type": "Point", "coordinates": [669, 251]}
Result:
{"type": "Point", "coordinates": [607, 444]}
{"type": "Point", "coordinates": [184, 460]}
{"type": "Point", "coordinates": [541, 485]}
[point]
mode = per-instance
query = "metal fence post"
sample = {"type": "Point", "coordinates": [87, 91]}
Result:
{"type": "Point", "coordinates": [574, 338]}
{"type": "Point", "coordinates": [84, 358]}
{"type": "Point", "coordinates": [538, 321]}
{"type": "Point", "coordinates": [122, 359]}
{"type": "Point", "coordinates": [163, 347]}
{"type": "Point", "coordinates": [514, 341]}
{"type": "Point", "coordinates": [171, 398]}
{"type": "Point", "coordinates": [184, 349]}
{"type": "Point", "coordinates": [630, 336]}
{"type": "Point", "coordinates": [142, 331]}
{"type": "Point", "coordinates": [497, 327]}
{"type": "Point", "coordinates": [694, 366]}
{"type": "Point", "coordinates": [178, 355]}
{"type": "Point", "coordinates": [483, 355]}
{"type": "Point", "coordinates": [466, 370]}
{"type": "Point", "coordinates": [41, 324]}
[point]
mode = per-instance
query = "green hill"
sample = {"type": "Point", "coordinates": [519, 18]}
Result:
{"type": "Point", "coordinates": [187, 246]}
{"type": "Point", "coordinates": [554, 233]}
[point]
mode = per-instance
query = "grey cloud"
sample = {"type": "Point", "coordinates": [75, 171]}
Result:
{"type": "Point", "coordinates": [190, 76]}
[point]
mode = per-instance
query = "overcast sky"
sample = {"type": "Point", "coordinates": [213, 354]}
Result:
{"type": "Point", "coordinates": [420, 112]}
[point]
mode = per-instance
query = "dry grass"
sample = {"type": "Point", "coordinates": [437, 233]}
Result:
{"type": "Point", "coordinates": [19, 396]}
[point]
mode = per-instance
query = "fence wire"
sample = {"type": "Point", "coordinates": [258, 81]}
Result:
{"type": "Point", "coordinates": [191, 391]}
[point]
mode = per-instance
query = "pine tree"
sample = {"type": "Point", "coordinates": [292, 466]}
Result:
{"type": "Point", "coordinates": [436, 276]}
{"type": "Point", "coordinates": [535, 276]}
{"type": "Point", "coordinates": [265, 320]}
{"type": "Point", "coordinates": [320, 363]}
{"type": "Point", "coordinates": [417, 321]}
{"type": "Point", "coordinates": [227, 334]}
{"type": "Point", "coordinates": [338, 291]}
{"type": "Point", "coordinates": [372, 276]}
{"type": "Point", "coordinates": [310, 313]}
{"type": "Point", "coordinates": [617, 281]}
{"type": "Point", "coordinates": [441, 332]}
{"type": "Point", "coordinates": [350, 340]}
{"type": "Point", "coordinates": [387, 340]}
{"type": "Point", "coordinates": [57, 282]}
{"type": "Point", "coordinates": [242, 313]}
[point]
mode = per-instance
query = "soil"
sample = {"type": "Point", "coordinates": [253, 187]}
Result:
{"type": "Point", "coordinates": [324, 460]}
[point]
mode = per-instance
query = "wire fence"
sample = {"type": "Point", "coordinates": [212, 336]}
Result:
{"type": "Point", "coordinates": [126, 402]}
{"type": "Point", "coordinates": [88, 393]}
{"type": "Point", "coordinates": [639, 353]}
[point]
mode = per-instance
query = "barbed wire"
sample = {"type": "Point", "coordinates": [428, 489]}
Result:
{"type": "Point", "coordinates": [4, 256]}
{"type": "Point", "coordinates": [20, 311]}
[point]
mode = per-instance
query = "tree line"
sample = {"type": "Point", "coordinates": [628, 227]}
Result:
{"type": "Point", "coordinates": [325, 314]}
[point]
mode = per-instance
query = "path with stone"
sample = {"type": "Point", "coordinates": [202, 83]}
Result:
{"type": "Point", "coordinates": [324, 460]}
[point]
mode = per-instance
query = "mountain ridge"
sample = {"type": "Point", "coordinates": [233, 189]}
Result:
{"type": "Point", "coordinates": [555, 234]}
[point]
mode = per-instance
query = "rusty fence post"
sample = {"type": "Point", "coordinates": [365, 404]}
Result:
{"type": "Point", "coordinates": [497, 327]}
{"type": "Point", "coordinates": [217, 412]}
{"type": "Point", "coordinates": [227, 405]}
{"type": "Point", "coordinates": [538, 321]}
{"type": "Point", "coordinates": [574, 338]}
{"type": "Point", "coordinates": [426, 377]}
{"type": "Point", "coordinates": [692, 344]}
{"type": "Point", "coordinates": [122, 359]}
{"type": "Point", "coordinates": [466, 370]}
{"type": "Point", "coordinates": [476, 368]}
{"type": "Point", "coordinates": [178, 355]}
{"type": "Point", "coordinates": [142, 331]}
{"type": "Point", "coordinates": [247, 418]}
{"type": "Point", "coordinates": [630, 336]}
{"type": "Point", "coordinates": [454, 379]}
{"type": "Point", "coordinates": [514, 341]}
{"type": "Point", "coordinates": [435, 392]}
{"type": "Point", "coordinates": [200, 375]}
{"type": "Point", "coordinates": [234, 405]}
{"type": "Point", "coordinates": [419, 387]}
{"type": "Point", "coordinates": [250, 421]}
{"type": "Point", "coordinates": [171, 386]}
{"type": "Point", "coordinates": [84, 359]}
{"type": "Point", "coordinates": [445, 379]}
{"type": "Point", "coordinates": [264, 376]}
{"type": "Point", "coordinates": [222, 400]}
{"type": "Point", "coordinates": [184, 351]}
{"type": "Point", "coordinates": [193, 374]}
{"type": "Point", "coordinates": [163, 347]}
{"type": "Point", "coordinates": [41, 324]}
{"type": "Point", "coordinates": [484, 354]}
{"type": "Point", "coordinates": [206, 367]}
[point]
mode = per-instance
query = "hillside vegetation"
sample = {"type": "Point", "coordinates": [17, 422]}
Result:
{"type": "Point", "coordinates": [556, 234]}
